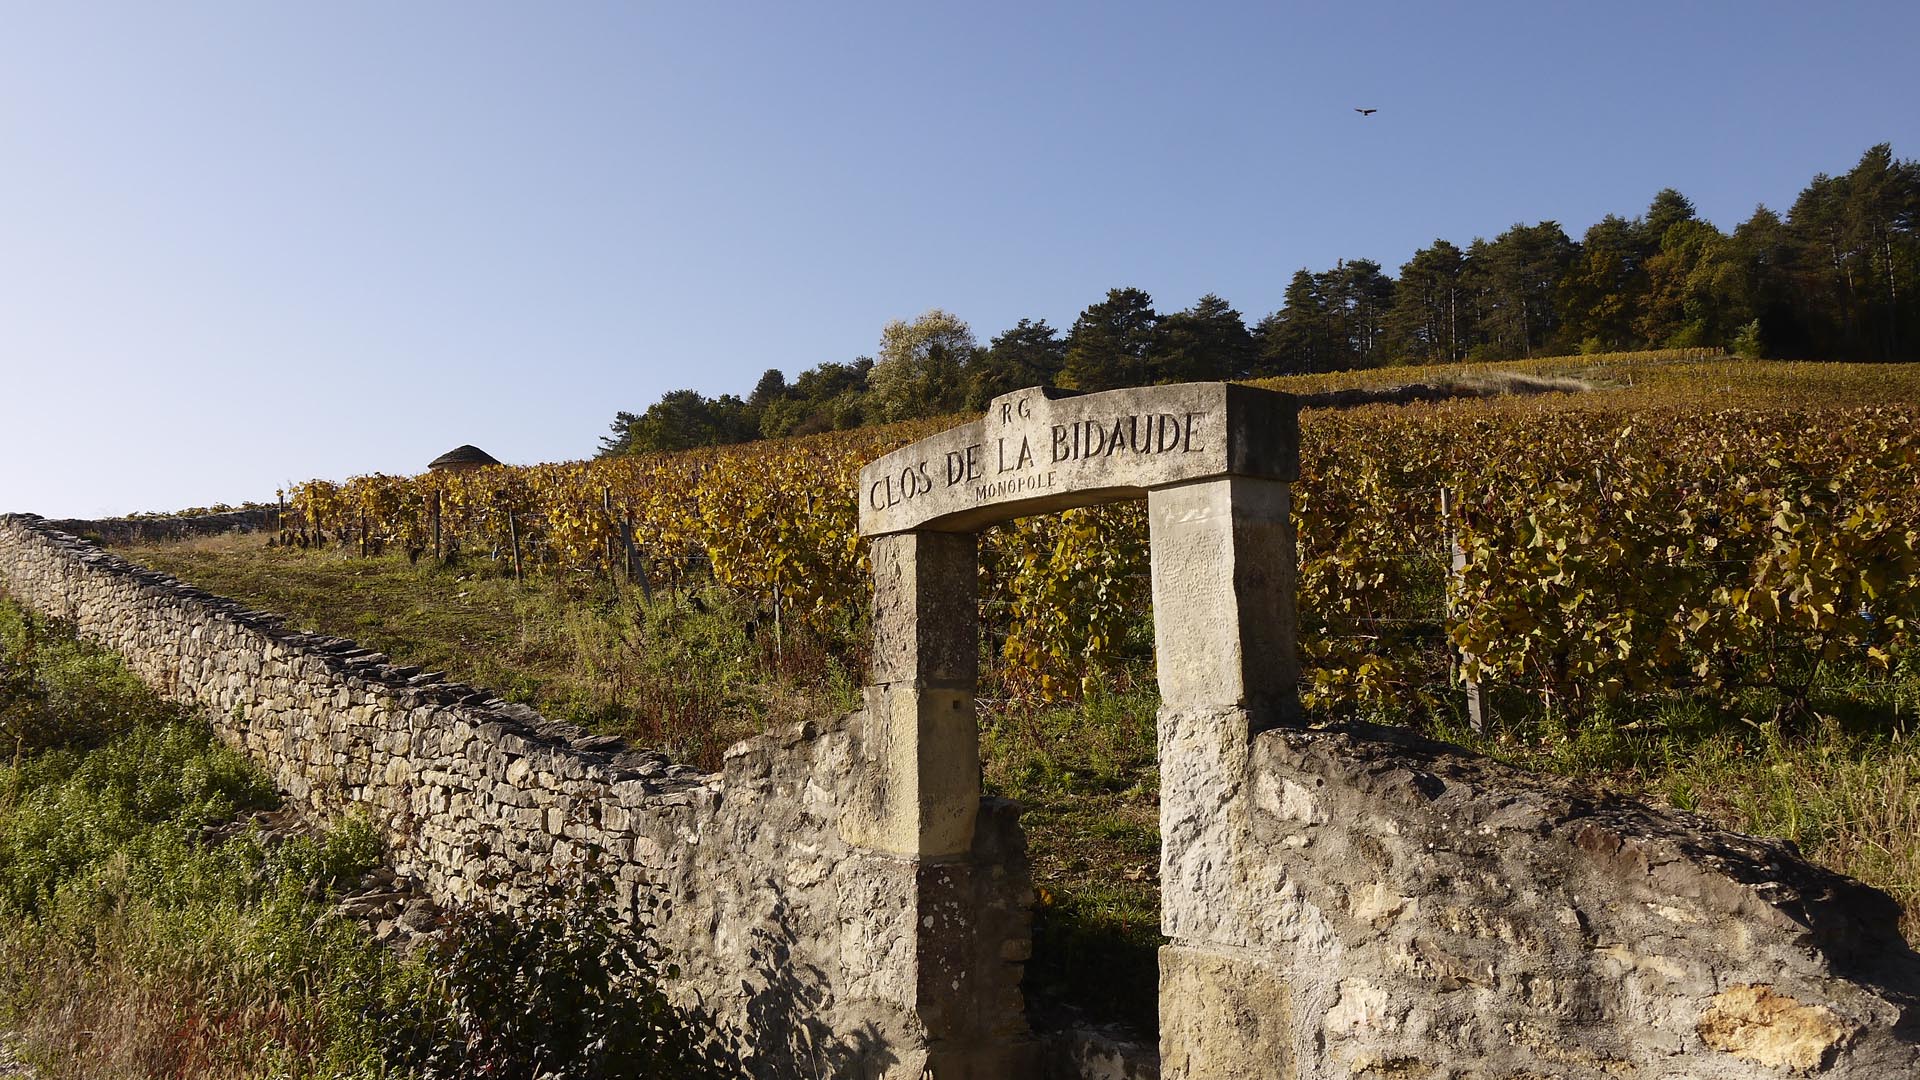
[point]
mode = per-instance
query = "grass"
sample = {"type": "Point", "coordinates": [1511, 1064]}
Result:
{"type": "Point", "coordinates": [686, 674]}
{"type": "Point", "coordinates": [1087, 777]}
{"type": "Point", "coordinates": [146, 931]}
{"type": "Point", "coordinates": [136, 940]}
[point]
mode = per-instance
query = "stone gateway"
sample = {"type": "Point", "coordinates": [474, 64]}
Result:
{"type": "Point", "coordinates": [1214, 461]}
{"type": "Point", "coordinates": [1349, 902]}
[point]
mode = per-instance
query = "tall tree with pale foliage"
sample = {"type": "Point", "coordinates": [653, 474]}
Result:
{"type": "Point", "coordinates": [921, 367]}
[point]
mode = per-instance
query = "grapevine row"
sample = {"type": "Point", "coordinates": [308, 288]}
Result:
{"type": "Point", "coordinates": [1607, 544]}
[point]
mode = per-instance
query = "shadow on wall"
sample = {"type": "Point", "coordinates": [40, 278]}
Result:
{"type": "Point", "coordinates": [789, 1041]}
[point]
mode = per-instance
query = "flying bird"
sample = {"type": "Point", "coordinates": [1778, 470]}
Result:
{"type": "Point", "coordinates": [1366, 112]}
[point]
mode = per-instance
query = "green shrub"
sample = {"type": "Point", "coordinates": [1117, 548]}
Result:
{"type": "Point", "coordinates": [1749, 343]}
{"type": "Point", "coordinates": [56, 691]}
{"type": "Point", "coordinates": [142, 798]}
{"type": "Point", "coordinates": [142, 933]}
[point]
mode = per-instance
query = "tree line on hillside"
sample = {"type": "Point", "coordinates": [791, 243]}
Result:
{"type": "Point", "coordinates": [1837, 278]}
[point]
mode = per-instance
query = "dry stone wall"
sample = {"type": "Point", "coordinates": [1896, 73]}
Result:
{"type": "Point", "coordinates": [836, 960]}
{"type": "Point", "coordinates": [137, 530]}
{"type": "Point", "coordinates": [1361, 903]}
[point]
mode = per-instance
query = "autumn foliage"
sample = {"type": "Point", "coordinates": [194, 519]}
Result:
{"type": "Point", "coordinates": [1690, 525]}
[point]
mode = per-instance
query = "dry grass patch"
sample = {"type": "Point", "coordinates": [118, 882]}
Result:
{"type": "Point", "coordinates": [690, 673]}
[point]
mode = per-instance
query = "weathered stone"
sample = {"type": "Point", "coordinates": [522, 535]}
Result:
{"type": "Point", "coordinates": [1450, 913]}
{"type": "Point", "coordinates": [1755, 1023]}
{"type": "Point", "coordinates": [918, 742]}
{"type": "Point", "coordinates": [1234, 1017]}
{"type": "Point", "coordinates": [136, 530]}
{"type": "Point", "coordinates": [1213, 461]}
{"type": "Point", "coordinates": [919, 784]}
{"type": "Point", "coordinates": [925, 630]}
{"type": "Point", "coordinates": [1223, 579]}
{"type": "Point", "coordinates": [1081, 1052]}
{"type": "Point", "coordinates": [1039, 450]}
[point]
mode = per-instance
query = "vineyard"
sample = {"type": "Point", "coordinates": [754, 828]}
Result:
{"type": "Point", "coordinates": [1689, 524]}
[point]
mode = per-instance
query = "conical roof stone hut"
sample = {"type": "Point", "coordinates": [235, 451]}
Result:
{"type": "Point", "coordinates": [461, 458]}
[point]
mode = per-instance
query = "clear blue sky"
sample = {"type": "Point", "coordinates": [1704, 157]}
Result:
{"type": "Point", "coordinates": [243, 244]}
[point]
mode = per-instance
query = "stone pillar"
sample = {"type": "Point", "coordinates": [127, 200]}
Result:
{"type": "Point", "coordinates": [1223, 608]}
{"type": "Point", "coordinates": [1223, 577]}
{"type": "Point", "coordinates": [914, 811]}
{"type": "Point", "coordinates": [920, 741]}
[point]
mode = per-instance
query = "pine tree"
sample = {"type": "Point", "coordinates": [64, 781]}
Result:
{"type": "Point", "coordinates": [1207, 342]}
{"type": "Point", "coordinates": [1520, 274]}
{"type": "Point", "coordinates": [1604, 287]}
{"type": "Point", "coordinates": [1358, 298]}
{"type": "Point", "coordinates": [1111, 342]}
{"type": "Point", "coordinates": [1297, 338]}
{"type": "Point", "coordinates": [1430, 321]}
{"type": "Point", "coordinates": [1029, 354]}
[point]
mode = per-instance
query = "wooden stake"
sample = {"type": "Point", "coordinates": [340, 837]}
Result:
{"type": "Point", "coordinates": [436, 525]}
{"type": "Point", "coordinates": [779, 643]}
{"type": "Point", "coordinates": [636, 566]}
{"type": "Point", "coordinates": [363, 534]}
{"type": "Point", "coordinates": [606, 507]}
{"type": "Point", "coordinates": [513, 534]}
{"type": "Point", "coordinates": [1476, 707]}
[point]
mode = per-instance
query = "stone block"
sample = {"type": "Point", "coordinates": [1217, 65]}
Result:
{"type": "Point", "coordinates": [1039, 450]}
{"type": "Point", "coordinates": [916, 787]}
{"type": "Point", "coordinates": [1232, 1018]}
{"type": "Point", "coordinates": [925, 614]}
{"type": "Point", "coordinates": [1223, 581]}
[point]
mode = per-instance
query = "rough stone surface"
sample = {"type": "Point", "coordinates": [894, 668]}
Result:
{"type": "Point", "coordinates": [1039, 450]}
{"type": "Point", "coordinates": [925, 623]}
{"type": "Point", "coordinates": [837, 960]}
{"type": "Point", "coordinates": [1223, 581]}
{"type": "Point", "coordinates": [1429, 913]}
{"type": "Point", "coordinates": [1755, 1023]}
{"type": "Point", "coordinates": [1081, 1051]}
{"type": "Point", "coordinates": [1233, 1016]}
{"type": "Point", "coordinates": [1214, 462]}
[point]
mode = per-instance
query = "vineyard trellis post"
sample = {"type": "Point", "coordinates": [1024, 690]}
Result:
{"type": "Point", "coordinates": [636, 566]}
{"type": "Point", "coordinates": [607, 549]}
{"type": "Point", "coordinates": [1457, 566]}
{"type": "Point", "coordinates": [513, 537]}
{"type": "Point", "coordinates": [779, 640]}
{"type": "Point", "coordinates": [436, 525]}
